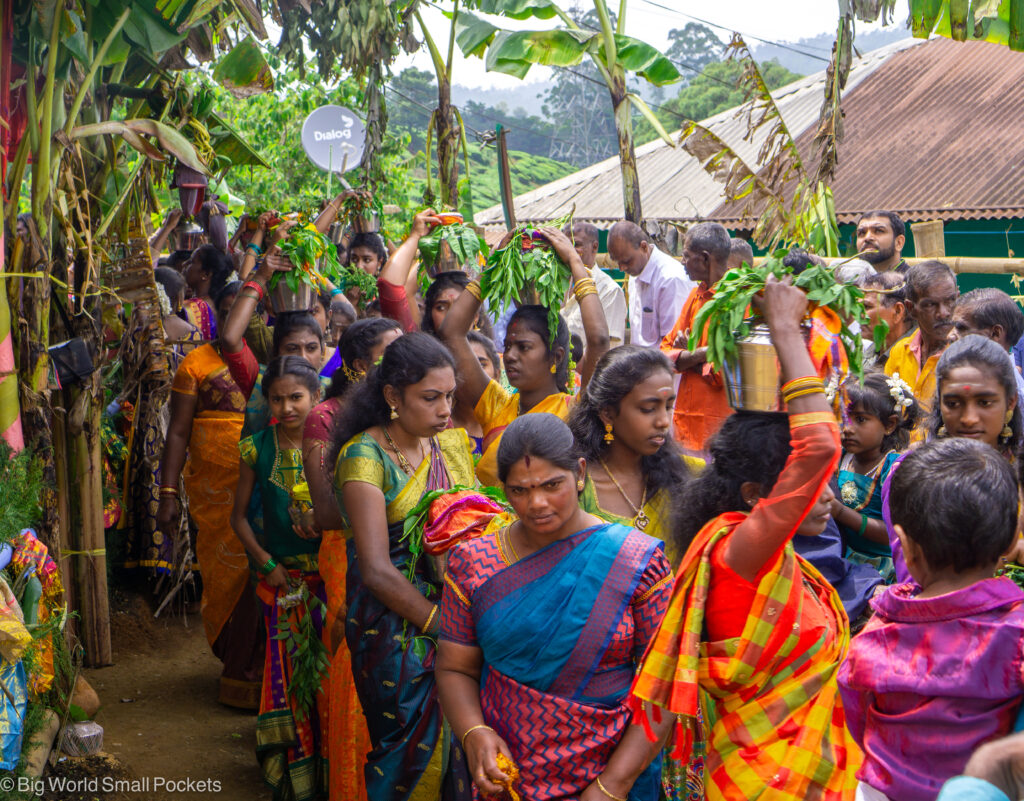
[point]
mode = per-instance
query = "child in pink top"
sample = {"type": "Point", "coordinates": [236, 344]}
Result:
{"type": "Point", "coordinates": [937, 671]}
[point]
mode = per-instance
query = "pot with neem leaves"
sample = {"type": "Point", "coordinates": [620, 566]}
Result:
{"type": "Point", "coordinates": [283, 298]}
{"type": "Point", "coordinates": [752, 381]}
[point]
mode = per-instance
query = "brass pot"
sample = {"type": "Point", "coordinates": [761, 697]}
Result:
{"type": "Point", "coordinates": [752, 383]}
{"type": "Point", "coordinates": [282, 299]}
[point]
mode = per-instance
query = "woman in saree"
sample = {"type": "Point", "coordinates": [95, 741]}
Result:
{"type": "Point", "coordinates": [205, 422]}
{"type": "Point", "coordinates": [394, 447]}
{"type": "Point", "coordinates": [753, 633]}
{"type": "Point", "coordinates": [543, 623]}
{"type": "Point", "coordinates": [206, 272]}
{"type": "Point", "coordinates": [361, 345]}
{"type": "Point", "coordinates": [291, 728]}
{"type": "Point", "coordinates": [535, 366]}
{"type": "Point", "coordinates": [622, 424]}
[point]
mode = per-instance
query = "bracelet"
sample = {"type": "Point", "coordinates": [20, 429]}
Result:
{"type": "Point", "coordinates": [799, 393]}
{"type": "Point", "coordinates": [335, 292]}
{"type": "Point", "coordinates": [604, 790]}
{"type": "Point", "coordinates": [268, 568]}
{"type": "Point", "coordinates": [585, 282]}
{"type": "Point", "coordinates": [430, 618]}
{"type": "Point", "coordinates": [581, 293]}
{"type": "Point", "coordinates": [802, 383]}
{"type": "Point", "coordinates": [254, 248]}
{"type": "Point", "coordinates": [257, 287]}
{"type": "Point", "coordinates": [471, 729]}
{"type": "Point", "coordinates": [168, 491]}
{"type": "Point", "coordinates": [863, 524]}
{"type": "Point", "coordinates": [473, 288]}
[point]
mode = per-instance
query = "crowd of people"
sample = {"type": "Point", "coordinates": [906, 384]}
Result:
{"type": "Point", "coordinates": [675, 599]}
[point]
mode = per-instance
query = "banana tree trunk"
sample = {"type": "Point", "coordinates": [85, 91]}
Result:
{"type": "Point", "coordinates": [10, 410]}
{"type": "Point", "coordinates": [627, 154]}
{"type": "Point", "coordinates": [376, 126]}
{"type": "Point", "coordinates": [447, 146]}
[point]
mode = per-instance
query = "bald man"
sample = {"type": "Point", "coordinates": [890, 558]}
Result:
{"type": "Point", "coordinates": [658, 284]}
{"type": "Point", "coordinates": [585, 237]}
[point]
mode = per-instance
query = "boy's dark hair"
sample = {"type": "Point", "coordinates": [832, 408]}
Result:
{"type": "Point", "coordinates": [875, 398]}
{"type": "Point", "coordinates": [957, 499]}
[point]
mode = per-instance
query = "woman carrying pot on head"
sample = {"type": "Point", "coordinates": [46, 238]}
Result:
{"type": "Point", "coordinates": [362, 344]}
{"type": "Point", "coordinates": [543, 624]}
{"type": "Point", "coordinates": [206, 272]}
{"type": "Point", "coordinates": [395, 446]}
{"type": "Point", "coordinates": [975, 397]}
{"type": "Point", "coordinates": [207, 408]}
{"type": "Point", "coordinates": [753, 633]}
{"type": "Point", "coordinates": [536, 363]}
{"type": "Point", "coordinates": [622, 423]}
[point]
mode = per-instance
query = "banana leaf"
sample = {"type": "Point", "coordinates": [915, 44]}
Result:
{"type": "Point", "coordinates": [244, 71]}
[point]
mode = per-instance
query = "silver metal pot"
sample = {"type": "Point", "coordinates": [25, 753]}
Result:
{"type": "Point", "coordinates": [752, 384]}
{"type": "Point", "coordinates": [282, 299]}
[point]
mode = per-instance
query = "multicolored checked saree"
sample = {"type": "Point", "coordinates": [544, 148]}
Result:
{"type": "Point", "coordinates": [561, 631]}
{"type": "Point", "coordinates": [774, 721]}
{"type": "Point", "coordinates": [413, 757]}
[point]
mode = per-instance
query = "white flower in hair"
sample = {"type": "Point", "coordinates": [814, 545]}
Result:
{"type": "Point", "coordinates": [832, 388]}
{"type": "Point", "coordinates": [165, 301]}
{"type": "Point", "coordinates": [902, 393]}
{"type": "Point", "coordinates": [233, 277]}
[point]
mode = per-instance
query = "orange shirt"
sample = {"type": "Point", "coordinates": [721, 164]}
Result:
{"type": "Point", "coordinates": [701, 403]}
{"type": "Point", "coordinates": [905, 360]}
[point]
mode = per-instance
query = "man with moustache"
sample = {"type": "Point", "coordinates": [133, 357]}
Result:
{"type": "Point", "coordinates": [932, 294]}
{"type": "Point", "coordinates": [701, 403]}
{"type": "Point", "coordinates": [881, 236]}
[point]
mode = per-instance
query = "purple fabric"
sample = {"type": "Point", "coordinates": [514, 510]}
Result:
{"type": "Point", "coordinates": [855, 583]}
{"type": "Point", "coordinates": [928, 680]}
{"type": "Point", "coordinates": [333, 363]}
{"type": "Point", "coordinates": [902, 574]}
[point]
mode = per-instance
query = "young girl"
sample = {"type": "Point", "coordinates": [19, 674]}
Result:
{"type": "Point", "coordinates": [879, 418]}
{"type": "Point", "coordinates": [290, 741]}
{"type": "Point", "coordinates": [936, 672]}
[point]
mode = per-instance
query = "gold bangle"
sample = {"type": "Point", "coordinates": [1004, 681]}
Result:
{"type": "Point", "coordinates": [801, 382]}
{"type": "Point", "coordinates": [586, 281]}
{"type": "Point", "coordinates": [465, 734]}
{"type": "Point", "coordinates": [582, 293]}
{"type": "Point", "coordinates": [799, 393]}
{"type": "Point", "coordinates": [430, 618]}
{"type": "Point", "coordinates": [604, 790]}
{"type": "Point", "coordinates": [473, 288]}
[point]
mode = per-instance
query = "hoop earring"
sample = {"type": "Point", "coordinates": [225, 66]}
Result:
{"type": "Point", "coordinates": [608, 435]}
{"type": "Point", "coordinates": [394, 413]}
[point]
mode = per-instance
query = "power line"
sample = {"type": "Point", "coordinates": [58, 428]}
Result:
{"type": "Point", "coordinates": [783, 45]}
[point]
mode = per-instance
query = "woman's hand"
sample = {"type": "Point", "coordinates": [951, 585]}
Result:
{"type": "Point", "coordinates": [306, 532]}
{"type": "Point", "coordinates": [265, 219]}
{"type": "Point", "coordinates": [594, 793]}
{"type": "Point", "coordinates": [784, 305]}
{"type": "Point", "coordinates": [167, 515]}
{"type": "Point", "coordinates": [562, 245]}
{"type": "Point", "coordinates": [278, 577]}
{"type": "Point", "coordinates": [423, 223]}
{"type": "Point", "coordinates": [281, 232]}
{"type": "Point", "coordinates": [482, 747]}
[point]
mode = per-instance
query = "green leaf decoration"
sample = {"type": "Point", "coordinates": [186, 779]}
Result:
{"type": "Point", "coordinates": [244, 71]}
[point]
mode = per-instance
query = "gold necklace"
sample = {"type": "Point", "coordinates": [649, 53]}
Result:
{"type": "Point", "coordinates": [641, 520]}
{"type": "Point", "coordinates": [288, 440]}
{"type": "Point", "coordinates": [403, 462]}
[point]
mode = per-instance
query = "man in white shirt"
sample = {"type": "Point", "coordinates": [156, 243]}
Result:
{"type": "Point", "coordinates": [658, 284]}
{"type": "Point", "coordinates": [612, 298]}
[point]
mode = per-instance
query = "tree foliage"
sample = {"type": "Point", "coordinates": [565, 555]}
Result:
{"type": "Point", "coordinates": [694, 46]}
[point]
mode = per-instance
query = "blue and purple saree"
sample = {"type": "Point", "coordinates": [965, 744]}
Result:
{"type": "Point", "coordinates": [561, 632]}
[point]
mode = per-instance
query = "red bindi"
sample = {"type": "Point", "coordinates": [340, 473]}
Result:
{"type": "Point", "coordinates": [967, 387]}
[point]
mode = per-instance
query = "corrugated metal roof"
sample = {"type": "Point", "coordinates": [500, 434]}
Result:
{"type": "Point", "coordinates": [934, 133]}
{"type": "Point", "coordinates": [673, 184]}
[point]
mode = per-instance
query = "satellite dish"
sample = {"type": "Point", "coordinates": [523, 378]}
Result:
{"type": "Point", "coordinates": [333, 138]}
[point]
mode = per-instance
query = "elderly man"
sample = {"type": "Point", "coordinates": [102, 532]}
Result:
{"type": "Point", "coordinates": [613, 299]}
{"type": "Point", "coordinates": [994, 315]}
{"type": "Point", "coordinates": [931, 298]}
{"type": "Point", "coordinates": [701, 403]}
{"type": "Point", "coordinates": [885, 301]}
{"type": "Point", "coordinates": [658, 286]}
{"type": "Point", "coordinates": [881, 236]}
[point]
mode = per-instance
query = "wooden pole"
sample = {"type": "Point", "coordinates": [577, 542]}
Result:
{"type": "Point", "coordinates": [966, 264]}
{"type": "Point", "coordinates": [505, 180]}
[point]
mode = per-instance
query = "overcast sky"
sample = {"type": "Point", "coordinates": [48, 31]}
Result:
{"type": "Point", "coordinates": [651, 21]}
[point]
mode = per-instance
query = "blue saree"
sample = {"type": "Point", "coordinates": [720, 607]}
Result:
{"type": "Point", "coordinates": [561, 633]}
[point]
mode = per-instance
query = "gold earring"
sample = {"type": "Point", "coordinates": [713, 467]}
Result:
{"type": "Point", "coordinates": [554, 369]}
{"type": "Point", "coordinates": [579, 485]}
{"type": "Point", "coordinates": [1007, 432]}
{"type": "Point", "coordinates": [941, 432]}
{"type": "Point", "coordinates": [394, 413]}
{"type": "Point", "coordinates": [608, 435]}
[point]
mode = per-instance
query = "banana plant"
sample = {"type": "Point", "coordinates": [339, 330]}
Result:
{"type": "Point", "coordinates": [998, 21]}
{"type": "Point", "coordinates": [614, 54]}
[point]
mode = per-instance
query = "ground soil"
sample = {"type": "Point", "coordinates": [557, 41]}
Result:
{"type": "Point", "coordinates": [160, 713]}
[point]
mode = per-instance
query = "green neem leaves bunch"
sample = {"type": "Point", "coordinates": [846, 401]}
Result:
{"type": "Point", "coordinates": [309, 656]}
{"type": "Point", "coordinates": [527, 270]}
{"type": "Point", "coordinates": [352, 276]}
{"type": "Point", "coordinates": [728, 315]}
{"type": "Point", "coordinates": [311, 252]}
{"type": "Point", "coordinates": [465, 243]}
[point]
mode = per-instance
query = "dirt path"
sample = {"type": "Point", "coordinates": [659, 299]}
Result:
{"type": "Point", "coordinates": [160, 713]}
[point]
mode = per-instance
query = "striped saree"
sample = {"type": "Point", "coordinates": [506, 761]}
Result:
{"type": "Point", "coordinates": [774, 721]}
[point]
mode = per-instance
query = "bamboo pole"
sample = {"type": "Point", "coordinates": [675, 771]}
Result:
{"type": "Point", "coordinates": [966, 264]}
